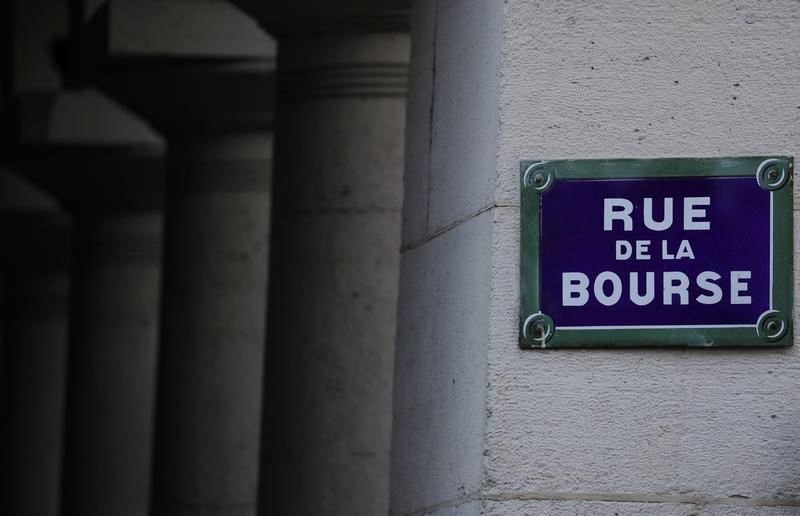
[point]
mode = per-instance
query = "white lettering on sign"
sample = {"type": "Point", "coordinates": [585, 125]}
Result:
{"type": "Point", "coordinates": [705, 280]}
{"type": "Point", "coordinates": [574, 289]}
{"type": "Point", "coordinates": [738, 286]}
{"type": "Point", "coordinates": [690, 213]}
{"type": "Point", "coordinates": [684, 251]}
{"type": "Point", "coordinates": [600, 292]}
{"type": "Point", "coordinates": [608, 288]}
{"type": "Point", "coordinates": [676, 282]}
{"type": "Point", "coordinates": [649, 289]}
{"type": "Point", "coordinates": [611, 213]}
{"type": "Point", "coordinates": [623, 250]}
{"type": "Point", "coordinates": [620, 209]}
{"type": "Point", "coordinates": [642, 248]}
{"type": "Point", "coordinates": [665, 222]}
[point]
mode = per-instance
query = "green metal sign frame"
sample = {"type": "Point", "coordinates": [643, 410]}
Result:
{"type": "Point", "coordinates": [774, 328]}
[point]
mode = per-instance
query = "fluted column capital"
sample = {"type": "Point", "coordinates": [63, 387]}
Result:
{"type": "Point", "coordinates": [341, 65]}
{"type": "Point", "coordinates": [349, 48]}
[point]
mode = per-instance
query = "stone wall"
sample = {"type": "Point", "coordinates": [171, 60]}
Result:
{"type": "Point", "coordinates": [583, 431]}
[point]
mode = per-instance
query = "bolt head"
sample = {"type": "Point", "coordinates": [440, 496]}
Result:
{"type": "Point", "coordinates": [538, 179]}
{"type": "Point", "coordinates": [538, 329]}
{"type": "Point", "coordinates": [772, 326]}
{"type": "Point", "coordinates": [772, 174]}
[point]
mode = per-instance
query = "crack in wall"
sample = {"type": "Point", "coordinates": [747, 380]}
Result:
{"type": "Point", "coordinates": [444, 229]}
{"type": "Point", "coordinates": [431, 113]}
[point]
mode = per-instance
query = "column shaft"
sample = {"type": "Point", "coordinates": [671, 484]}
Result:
{"type": "Point", "coordinates": [5, 449]}
{"type": "Point", "coordinates": [35, 342]}
{"type": "Point", "coordinates": [112, 363]}
{"type": "Point", "coordinates": [334, 273]}
{"type": "Point", "coordinates": [212, 333]}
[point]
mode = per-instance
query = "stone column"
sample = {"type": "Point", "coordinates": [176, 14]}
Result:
{"type": "Point", "coordinates": [212, 331]}
{"type": "Point", "coordinates": [4, 393]}
{"type": "Point", "coordinates": [335, 259]}
{"type": "Point", "coordinates": [113, 192]}
{"type": "Point", "coordinates": [35, 360]}
{"type": "Point", "coordinates": [112, 361]}
{"type": "Point", "coordinates": [216, 116]}
{"type": "Point", "coordinates": [202, 74]}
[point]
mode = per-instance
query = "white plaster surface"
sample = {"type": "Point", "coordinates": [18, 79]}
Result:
{"type": "Point", "coordinates": [639, 79]}
{"type": "Point", "coordinates": [710, 423]}
{"type": "Point", "coordinates": [619, 79]}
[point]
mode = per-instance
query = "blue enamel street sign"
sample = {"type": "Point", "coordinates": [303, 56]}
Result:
{"type": "Point", "coordinates": [661, 252]}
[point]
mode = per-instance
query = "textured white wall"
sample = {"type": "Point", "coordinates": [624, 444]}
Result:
{"type": "Point", "coordinates": [640, 79]}
{"type": "Point", "coordinates": [582, 431]}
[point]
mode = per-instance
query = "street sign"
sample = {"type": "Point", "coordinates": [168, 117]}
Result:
{"type": "Point", "coordinates": [658, 252]}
